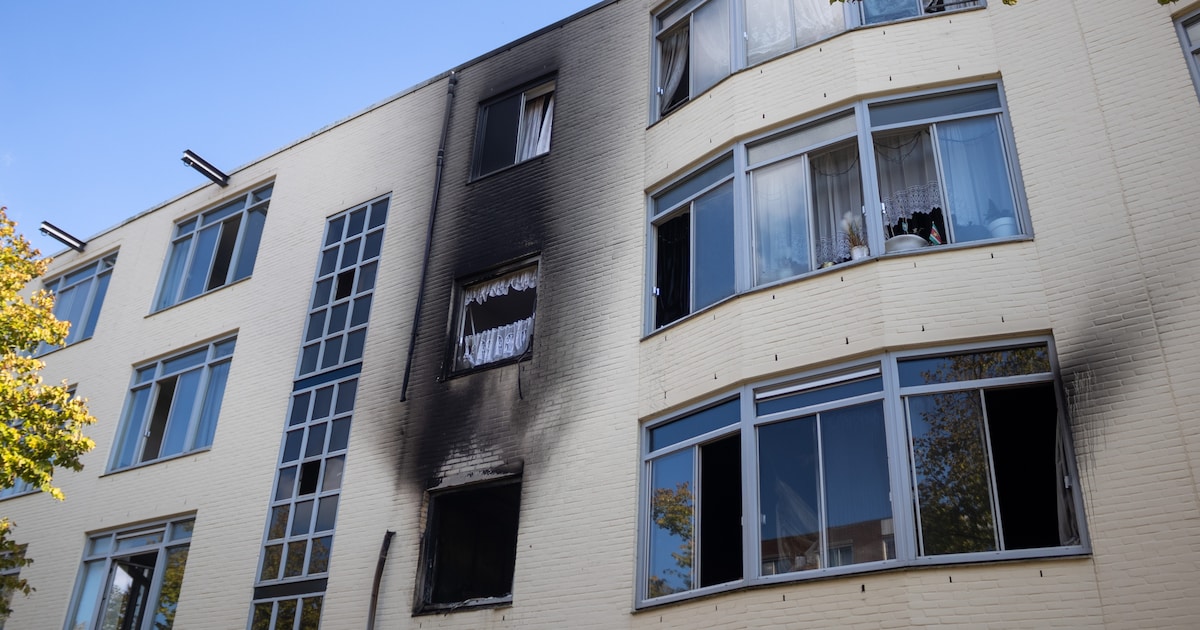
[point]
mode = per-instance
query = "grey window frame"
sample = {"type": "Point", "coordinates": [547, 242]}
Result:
{"type": "Point", "coordinates": [743, 222]}
{"type": "Point", "coordinates": [149, 377]}
{"type": "Point", "coordinates": [536, 89]}
{"type": "Point", "coordinates": [242, 253]}
{"type": "Point", "coordinates": [93, 278]}
{"type": "Point", "coordinates": [892, 396]}
{"type": "Point", "coordinates": [1191, 48]}
{"type": "Point", "coordinates": [176, 533]}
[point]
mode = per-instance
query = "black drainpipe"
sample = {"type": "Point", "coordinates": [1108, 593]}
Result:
{"type": "Point", "coordinates": [387, 542]}
{"type": "Point", "coordinates": [433, 207]}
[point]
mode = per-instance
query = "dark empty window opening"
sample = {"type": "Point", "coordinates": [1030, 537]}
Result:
{"type": "Point", "coordinates": [345, 285]}
{"type": "Point", "coordinates": [471, 546]}
{"type": "Point", "coordinates": [495, 321]}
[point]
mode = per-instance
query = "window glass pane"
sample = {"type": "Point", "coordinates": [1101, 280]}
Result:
{"type": "Point", "coordinates": [157, 423]}
{"type": "Point", "coordinates": [277, 527]}
{"type": "Point", "coordinates": [696, 424]}
{"type": "Point", "coordinates": [801, 139]}
{"type": "Point", "coordinates": [816, 20]}
{"type": "Point", "coordinates": [316, 440]}
{"type": "Point", "coordinates": [318, 561]}
{"type": "Point", "coordinates": [978, 189]}
{"type": "Point", "coordinates": [936, 106]}
{"type": "Point", "coordinates": [88, 326]}
{"type": "Point", "coordinates": [197, 273]}
{"type": "Point", "coordinates": [908, 185]}
{"type": "Point", "coordinates": [362, 309]}
{"type": "Point", "coordinates": [287, 483]}
{"type": "Point", "coordinates": [223, 257]}
{"type": "Point", "coordinates": [299, 409]}
{"type": "Point", "coordinates": [213, 216]}
{"type": "Point", "coordinates": [310, 608]}
{"type": "Point", "coordinates": [302, 518]}
{"type": "Point", "coordinates": [131, 428]}
{"type": "Point", "coordinates": [673, 270]}
{"type": "Point", "coordinates": [789, 497]}
{"type": "Point", "coordinates": [974, 365]}
{"type": "Point", "coordinates": [337, 317]}
{"type": "Point", "coordinates": [768, 29]}
{"type": "Point", "coordinates": [781, 243]}
{"type": "Point", "coordinates": [128, 589]}
{"type": "Point", "coordinates": [373, 244]}
{"type": "Point", "coordinates": [345, 398]}
{"type": "Point", "coordinates": [334, 232]}
{"type": "Point", "coordinates": [174, 273]}
{"type": "Point", "coordinates": [837, 202]}
{"type": "Point", "coordinates": [340, 434]}
{"type": "Point", "coordinates": [379, 211]}
{"type": "Point", "coordinates": [101, 544]}
{"type": "Point", "coordinates": [184, 362]}
{"type": "Point", "coordinates": [710, 45]}
{"type": "Point", "coordinates": [713, 259]}
{"type": "Point", "coordinates": [251, 238]}
{"type": "Point", "coordinates": [168, 594]}
{"type": "Point", "coordinates": [321, 293]}
{"type": "Point", "coordinates": [355, 342]}
{"type": "Point", "coordinates": [223, 348]}
{"type": "Point", "coordinates": [261, 194]}
{"type": "Point", "coordinates": [262, 617]}
{"type": "Point", "coordinates": [89, 592]}
{"type": "Point", "coordinates": [366, 277]}
{"type": "Point", "coordinates": [69, 306]}
{"type": "Point", "coordinates": [322, 403]}
{"type": "Point", "coordinates": [333, 472]}
{"type": "Point", "coordinates": [857, 487]}
{"type": "Point", "coordinates": [186, 392]}
{"type": "Point", "coordinates": [291, 448]}
{"type": "Point", "coordinates": [499, 138]}
{"type": "Point", "coordinates": [182, 530]}
{"type": "Point", "coordinates": [358, 218]}
{"type": "Point", "coordinates": [326, 513]}
{"type": "Point", "coordinates": [951, 465]}
{"type": "Point", "coordinates": [693, 185]}
{"type": "Point", "coordinates": [350, 252]}
{"type": "Point", "coordinates": [672, 523]}
{"type": "Point", "coordinates": [333, 352]}
{"type": "Point", "coordinates": [294, 565]}
{"type": "Point", "coordinates": [285, 617]}
{"type": "Point", "coordinates": [125, 543]}
{"type": "Point", "coordinates": [819, 395]}
{"type": "Point", "coordinates": [272, 555]}
{"type": "Point", "coordinates": [328, 261]}
{"type": "Point", "coordinates": [875, 11]}
{"type": "Point", "coordinates": [308, 358]}
{"type": "Point", "coordinates": [316, 326]}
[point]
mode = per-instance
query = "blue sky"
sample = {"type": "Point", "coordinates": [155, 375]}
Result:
{"type": "Point", "coordinates": [98, 100]}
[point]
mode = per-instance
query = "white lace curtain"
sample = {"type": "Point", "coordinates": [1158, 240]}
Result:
{"type": "Point", "coordinates": [480, 347]}
{"type": "Point", "coordinates": [777, 26]}
{"type": "Point", "coordinates": [518, 281]}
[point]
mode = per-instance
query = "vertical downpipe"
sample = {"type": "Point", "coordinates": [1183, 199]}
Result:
{"type": "Point", "coordinates": [433, 207]}
{"type": "Point", "coordinates": [383, 551]}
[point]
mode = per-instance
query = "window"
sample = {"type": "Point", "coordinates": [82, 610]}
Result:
{"type": "Point", "coordinates": [131, 578]}
{"type": "Point", "coordinates": [774, 27]}
{"type": "Point", "coordinates": [289, 613]}
{"type": "Point", "coordinates": [514, 129]}
{"type": "Point", "coordinates": [908, 459]}
{"type": "Point", "coordinates": [471, 546]}
{"type": "Point", "coordinates": [78, 296]}
{"type": "Point", "coordinates": [940, 170]}
{"type": "Point", "coordinates": [10, 578]}
{"type": "Point", "coordinates": [214, 249]}
{"type": "Point", "coordinates": [876, 11]}
{"type": "Point", "coordinates": [173, 405]}
{"type": "Point", "coordinates": [1189, 35]}
{"type": "Point", "coordinates": [694, 50]}
{"type": "Point", "coordinates": [495, 319]}
{"type": "Point", "coordinates": [335, 332]}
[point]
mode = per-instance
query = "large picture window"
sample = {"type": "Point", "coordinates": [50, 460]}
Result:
{"type": "Point", "coordinates": [214, 249]}
{"type": "Point", "coordinates": [130, 579]}
{"type": "Point", "coordinates": [920, 172]}
{"type": "Point", "coordinates": [173, 405]}
{"type": "Point", "coordinates": [907, 459]}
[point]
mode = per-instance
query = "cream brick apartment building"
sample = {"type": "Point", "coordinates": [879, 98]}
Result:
{"type": "Point", "coordinates": [876, 315]}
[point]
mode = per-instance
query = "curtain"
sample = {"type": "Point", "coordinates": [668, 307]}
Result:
{"type": "Point", "coordinates": [837, 189]}
{"type": "Point", "coordinates": [780, 223]}
{"type": "Point", "coordinates": [1068, 530]}
{"type": "Point", "coordinates": [977, 187]}
{"type": "Point", "coordinates": [673, 66]}
{"type": "Point", "coordinates": [710, 25]}
{"type": "Point", "coordinates": [768, 29]}
{"type": "Point", "coordinates": [816, 20]}
{"type": "Point", "coordinates": [495, 344]}
{"type": "Point", "coordinates": [908, 183]}
{"type": "Point", "coordinates": [535, 127]}
{"type": "Point", "coordinates": [519, 281]}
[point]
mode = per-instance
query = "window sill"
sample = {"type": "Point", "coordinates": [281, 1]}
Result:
{"type": "Point", "coordinates": [197, 297]}
{"type": "Point", "coordinates": [877, 568]}
{"type": "Point", "coordinates": [156, 461]}
{"type": "Point", "coordinates": [837, 268]}
{"type": "Point", "coordinates": [470, 604]}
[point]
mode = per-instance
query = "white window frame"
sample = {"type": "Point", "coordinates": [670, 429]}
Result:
{"type": "Point", "coordinates": [1191, 47]}
{"type": "Point", "coordinates": [744, 249]}
{"type": "Point", "coordinates": [525, 96]}
{"type": "Point", "coordinates": [88, 283]}
{"type": "Point", "coordinates": [904, 519]}
{"type": "Point", "coordinates": [145, 388]}
{"type": "Point", "coordinates": [250, 209]}
{"type": "Point", "coordinates": [103, 549]}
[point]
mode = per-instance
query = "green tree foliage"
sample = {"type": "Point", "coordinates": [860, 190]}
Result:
{"type": "Point", "coordinates": [672, 511]}
{"type": "Point", "coordinates": [41, 426]}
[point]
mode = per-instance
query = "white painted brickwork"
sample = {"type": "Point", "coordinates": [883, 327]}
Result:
{"type": "Point", "coordinates": [1106, 125]}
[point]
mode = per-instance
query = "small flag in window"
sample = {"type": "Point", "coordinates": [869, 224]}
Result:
{"type": "Point", "coordinates": [934, 236]}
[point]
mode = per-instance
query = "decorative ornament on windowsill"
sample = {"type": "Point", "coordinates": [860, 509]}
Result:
{"type": "Point", "coordinates": [856, 237]}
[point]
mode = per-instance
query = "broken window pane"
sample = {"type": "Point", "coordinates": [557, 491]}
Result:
{"type": "Point", "coordinates": [472, 544]}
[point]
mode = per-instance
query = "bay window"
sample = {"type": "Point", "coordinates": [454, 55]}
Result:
{"type": "Point", "coordinates": [885, 176]}
{"type": "Point", "coordinates": [908, 458]}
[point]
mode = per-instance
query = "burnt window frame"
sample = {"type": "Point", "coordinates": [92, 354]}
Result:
{"type": "Point", "coordinates": [544, 86]}
{"type": "Point", "coordinates": [885, 381]}
{"type": "Point", "coordinates": [457, 322]}
{"type": "Point", "coordinates": [427, 579]}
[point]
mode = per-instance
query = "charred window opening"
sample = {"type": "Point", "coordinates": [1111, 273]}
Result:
{"type": "Point", "coordinates": [495, 320]}
{"type": "Point", "coordinates": [471, 545]}
{"type": "Point", "coordinates": [514, 129]}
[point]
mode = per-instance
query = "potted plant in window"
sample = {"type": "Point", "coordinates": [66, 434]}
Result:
{"type": "Point", "coordinates": [856, 236]}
